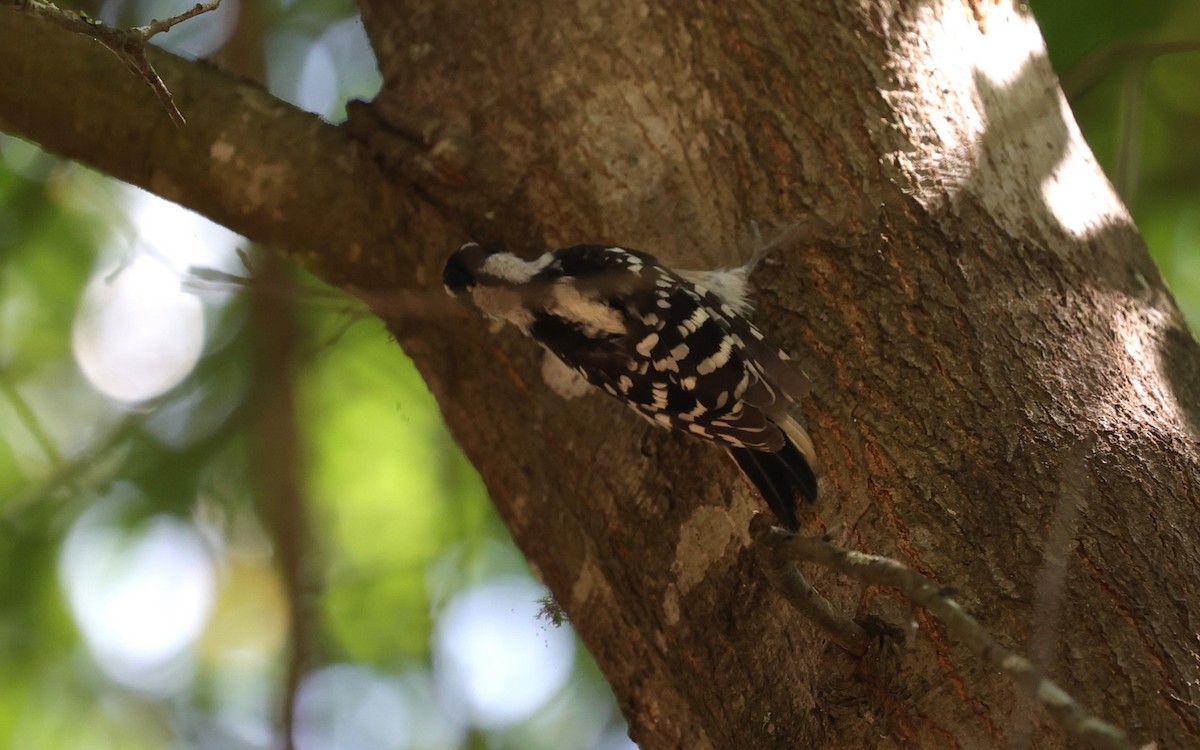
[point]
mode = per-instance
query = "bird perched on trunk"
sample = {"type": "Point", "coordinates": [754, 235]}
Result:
{"type": "Point", "coordinates": [676, 347]}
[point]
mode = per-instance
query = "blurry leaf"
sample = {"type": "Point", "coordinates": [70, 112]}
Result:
{"type": "Point", "coordinates": [249, 626]}
{"type": "Point", "coordinates": [378, 462]}
{"type": "Point", "coordinates": [1075, 29]}
{"type": "Point", "coordinates": [41, 277]}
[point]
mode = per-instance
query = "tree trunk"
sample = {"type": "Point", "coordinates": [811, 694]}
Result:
{"type": "Point", "coordinates": [1004, 393]}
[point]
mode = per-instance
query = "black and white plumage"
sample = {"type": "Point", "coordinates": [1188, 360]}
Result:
{"type": "Point", "coordinates": [676, 347]}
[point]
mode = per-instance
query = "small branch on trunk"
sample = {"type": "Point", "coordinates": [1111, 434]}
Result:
{"type": "Point", "coordinates": [787, 577]}
{"type": "Point", "coordinates": [938, 601]}
{"type": "Point", "coordinates": [129, 45]}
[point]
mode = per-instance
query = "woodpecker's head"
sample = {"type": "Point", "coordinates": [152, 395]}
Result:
{"type": "Point", "coordinates": [464, 268]}
{"type": "Point", "coordinates": [491, 280]}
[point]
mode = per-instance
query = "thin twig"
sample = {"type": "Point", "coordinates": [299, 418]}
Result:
{"type": "Point", "coordinates": [409, 304]}
{"type": "Point", "coordinates": [935, 599]}
{"type": "Point", "coordinates": [1051, 580]}
{"type": "Point", "coordinates": [275, 441]}
{"type": "Point", "coordinates": [1086, 72]}
{"type": "Point", "coordinates": [27, 416]}
{"type": "Point", "coordinates": [157, 27]}
{"type": "Point", "coordinates": [129, 45]}
{"type": "Point", "coordinates": [1133, 93]}
{"type": "Point", "coordinates": [201, 279]}
{"type": "Point", "coordinates": [74, 474]}
{"type": "Point", "coordinates": [791, 583]}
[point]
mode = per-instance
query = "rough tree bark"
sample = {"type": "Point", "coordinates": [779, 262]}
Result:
{"type": "Point", "coordinates": [955, 273]}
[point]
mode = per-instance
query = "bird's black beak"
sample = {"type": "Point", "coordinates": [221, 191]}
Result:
{"type": "Point", "coordinates": [458, 277]}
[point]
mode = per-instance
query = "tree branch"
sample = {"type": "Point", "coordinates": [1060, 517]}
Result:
{"type": "Point", "coordinates": [129, 45]}
{"type": "Point", "coordinates": [787, 577]}
{"type": "Point", "coordinates": [1086, 72]}
{"type": "Point", "coordinates": [274, 442]}
{"type": "Point", "coordinates": [937, 600]}
{"type": "Point", "coordinates": [247, 160]}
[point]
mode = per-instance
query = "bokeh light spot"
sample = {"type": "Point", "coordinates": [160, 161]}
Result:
{"type": "Point", "coordinates": [496, 657]}
{"type": "Point", "coordinates": [137, 335]}
{"type": "Point", "coordinates": [345, 706]}
{"type": "Point", "coordinates": [140, 595]}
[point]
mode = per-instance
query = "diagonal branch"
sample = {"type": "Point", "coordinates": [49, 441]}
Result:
{"type": "Point", "coordinates": [247, 160]}
{"type": "Point", "coordinates": [129, 45]}
{"type": "Point", "coordinates": [936, 599]}
{"type": "Point", "coordinates": [1085, 73]}
{"type": "Point", "coordinates": [791, 582]}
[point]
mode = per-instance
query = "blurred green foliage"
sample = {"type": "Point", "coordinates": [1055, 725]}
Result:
{"type": "Point", "coordinates": [1137, 101]}
{"type": "Point", "coordinates": [400, 523]}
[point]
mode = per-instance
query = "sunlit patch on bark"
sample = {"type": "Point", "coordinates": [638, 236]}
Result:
{"type": "Point", "coordinates": [1080, 202]}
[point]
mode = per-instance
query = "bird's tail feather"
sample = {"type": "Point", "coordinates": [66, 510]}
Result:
{"type": "Point", "coordinates": [782, 475]}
